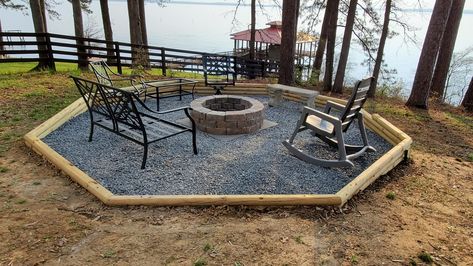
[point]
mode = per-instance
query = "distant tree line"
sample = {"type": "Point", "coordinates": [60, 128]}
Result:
{"type": "Point", "coordinates": [434, 62]}
{"type": "Point", "coordinates": [358, 18]}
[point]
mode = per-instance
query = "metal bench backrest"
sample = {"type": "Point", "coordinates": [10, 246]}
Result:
{"type": "Point", "coordinates": [102, 71]}
{"type": "Point", "coordinates": [355, 103]}
{"type": "Point", "coordinates": [115, 104]}
{"type": "Point", "coordinates": [216, 65]}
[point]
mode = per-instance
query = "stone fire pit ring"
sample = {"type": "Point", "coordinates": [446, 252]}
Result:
{"type": "Point", "coordinates": [227, 114]}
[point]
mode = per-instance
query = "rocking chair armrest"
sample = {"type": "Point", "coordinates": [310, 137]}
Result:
{"type": "Point", "coordinates": [324, 116]}
{"type": "Point", "coordinates": [330, 104]}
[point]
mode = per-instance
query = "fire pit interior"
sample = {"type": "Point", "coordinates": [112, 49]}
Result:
{"type": "Point", "coordinates": [227, 115]}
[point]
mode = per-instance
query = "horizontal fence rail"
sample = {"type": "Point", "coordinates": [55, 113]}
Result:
{"type": "Point", "coordinates": [49, 48]}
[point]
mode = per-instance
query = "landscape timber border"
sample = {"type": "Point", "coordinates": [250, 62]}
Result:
{"type": "Point", "coordinates": [400, 151]}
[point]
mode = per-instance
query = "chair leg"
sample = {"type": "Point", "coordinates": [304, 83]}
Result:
{"type": "Point", "coordinates": [364, 137]}
{"type": "Point", "coordinates": [91, 131]}
{"type": "Point", "coordinates": [298, 127]}
{"type": "Point", "coordinates": [194, 131]}
{"type": "Point", "coordinates": [218, 90]}
{"type": "Point", "coordinates": [341, 143]}
{"type": "Point", "coordinates": [145, 156]}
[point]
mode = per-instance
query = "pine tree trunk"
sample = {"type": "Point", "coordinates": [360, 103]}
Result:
{"type": "Point", "coordinates": [136, 37]}
{"type": "Point", "coordinates": [144, 34]}
{"type": "Point", "coordinates": [319, 53]}
{"type": "Point", "coordinates": [252, 35]}
{"type": "Point", "coordinates": [2, 48]}
{"type": "Point", "coordinates": [379, 55]}
{"type": "Point", "coordinates": [421, 87]}
{"type": "Point", "coordinates": [43, 12]}
{"type": "Point", "coordinates": [79, 31]}
{"type": "Point", "coordinates": [288, 42]}
{"type": "Point", "coordinates": [446, 50]}
{"type": "Point", "coordinates": [39, 27]}
{"type": "Point", "coordinates": [342, 62]}
{"type": "Point", "coordinates": [253, 29]}
{"type": "Point", "coordinates": [468, 99]}
{"type": "Point", "coordinates": [331, 39]}
{"type": "Point", "coordinates": [107, 28]}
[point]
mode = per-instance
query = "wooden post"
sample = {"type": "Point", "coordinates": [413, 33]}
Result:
{"type": "Point", "coordinates": [163, 61]}
{"type": "Point", "coordinates": [118, 58]}
{"type": "Point", "coordinates": [51, 63]}
{"type": "Point", "coordinates": [263, 69]}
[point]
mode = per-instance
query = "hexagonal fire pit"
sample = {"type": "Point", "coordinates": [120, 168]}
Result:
{"type": "Point", "coordinates": [227, 114]}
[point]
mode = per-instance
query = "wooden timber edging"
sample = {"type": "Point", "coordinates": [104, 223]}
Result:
{"type": "Point", "coordinates": [375, 122]}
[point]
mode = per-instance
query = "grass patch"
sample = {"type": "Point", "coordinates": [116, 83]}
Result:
{"type": "Point", "coordinates": [208, 247]}
{"type": "Point", "coordinates": [461, 120]}
{"type": "Point", "coordinates": [36, 183]}
{"type": "Point", "coordinates": [354, 260]}
{"type": "Point", "coordinates": [299, 240]}
{"type": "Point", "coordinates": [425, 257]}
{"type": "Point", "coordinates": [470, 156]}
{"type": "Point", "coordinates": [200, 262]}
{"type": "Point", "coordinates": [108, 254]}
{"type": "Point", "coordinates": [21, 201]}
{"type": "Point", "coordinates": [391, 195]}
{"type": "Point", "coordinates": [3, 169]}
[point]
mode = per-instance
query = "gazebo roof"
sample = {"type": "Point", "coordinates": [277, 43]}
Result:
{"type": "Point", "coordinates": [270, 35]}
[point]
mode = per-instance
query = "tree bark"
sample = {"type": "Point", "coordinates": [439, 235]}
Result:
{"type": "Point", "coordinates": [144, 33]}
{"type": "Point", "coordinates": [1, 38]}
{"type": "Point", "coordinates": [319, 54]}
{"type": "Point", "coordinates": [423, 78]}
{"type": "Point", "coordinates": [379, 55]}
{"type": "Point", "coordinates": [79, 32]}
{"type": "Point", "coordinates": [288, 42]}
{"type": "Point", "coordinates": [446, 50]}
{"type": "Point", "coordinates": [331, 38]}
{"type": "Point", "coordinates": [136, 37]}
{"type": "Point", "coordinates": [39, 27]}
{"type": "Point", "coordinates": [107, 28]}
{"type": "Point", "coordinates": [253, 29]}
{"type": "Point", "coordinates": [468, 99]}
{"type": "Point", "coordinates": [43, 12]}
{"type": "Point", "coordinates": [342, 62]}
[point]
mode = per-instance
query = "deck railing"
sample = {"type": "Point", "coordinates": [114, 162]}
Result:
{"type": "Point", "coordinates": [50, 48]}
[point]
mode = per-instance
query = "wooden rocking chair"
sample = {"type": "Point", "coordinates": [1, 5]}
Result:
{"type": "Point", "coordinates": [330, 128]}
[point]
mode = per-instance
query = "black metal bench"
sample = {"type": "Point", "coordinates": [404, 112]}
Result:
{"type": "Point", "coordinates": [220, 68]}
{"type": "Point", "coordinates": [116, 110]}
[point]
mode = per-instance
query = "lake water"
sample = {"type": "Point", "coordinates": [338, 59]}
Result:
{"type": "Point", "coordinates": [206, 28]}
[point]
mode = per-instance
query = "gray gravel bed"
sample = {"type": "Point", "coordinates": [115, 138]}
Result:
{"type": "Point", "coordinates": [247, 164]}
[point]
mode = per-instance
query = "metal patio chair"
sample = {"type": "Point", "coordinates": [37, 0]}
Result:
{"type": "Point", "coordinates": [331, 128]}
{"type": "Point", "coordinates": [106, 76]}
{"type": "Point", "coordinates": [124, 114]}
{"type": "Point", "coordinates": [218, 67]}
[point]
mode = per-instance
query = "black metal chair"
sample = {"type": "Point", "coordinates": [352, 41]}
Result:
{"type": "Point", "coordinates": [115, 110]}
{"type": "Point", "coordinates": [106, 76]}
{"type": "Point", "coordinates": [330, 128]}
{"type": "Point", "coordinates": [218, 72]}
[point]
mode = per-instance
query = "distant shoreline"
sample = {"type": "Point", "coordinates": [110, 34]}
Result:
{"type": "Point", "coordinates": [204, 3]}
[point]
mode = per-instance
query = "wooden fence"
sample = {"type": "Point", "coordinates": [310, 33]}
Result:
{"type": "Point", "coordinates": [50, 48]}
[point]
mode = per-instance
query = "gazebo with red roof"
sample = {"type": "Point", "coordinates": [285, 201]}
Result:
{"type": "Point", "coordinates": [268, 41]}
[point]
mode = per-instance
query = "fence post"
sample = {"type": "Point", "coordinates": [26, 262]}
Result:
{"type": "Point", "coordinates": [235, 65]}
{"type": "Point", "coordinates": [118, 58]}
{"type": "Point", "coordinates": [51, 63]}
{"type": "Point", "coordinates": [163, 61]}
{"type": "Point", "coordinates": [263, 69]}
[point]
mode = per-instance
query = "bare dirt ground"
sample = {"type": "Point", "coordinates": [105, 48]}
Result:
{"type": "Point", "coordinates": [47, 219]}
